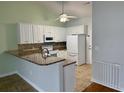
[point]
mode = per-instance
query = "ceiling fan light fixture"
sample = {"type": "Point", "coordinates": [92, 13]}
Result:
{"type": "Point", "coordinates": [63, 19]}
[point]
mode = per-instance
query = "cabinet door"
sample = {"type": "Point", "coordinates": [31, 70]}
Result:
{"type": "Point", "coordinates": [76, 30]}
{"type": "Point", "coordinates": [25, 33]}
{"type": "Point", "coordinates": [69, 30]}
{"type": "Point", "coordinates": [56, 31]}
{"type": "Point", "coordinates": [49, 31]}
{"type": "Point", "coordinates": [38, 33]}
{"type": "Point", "coordinates": [20, 34]}
{"type": "Point", "coordinates": [60, 35]}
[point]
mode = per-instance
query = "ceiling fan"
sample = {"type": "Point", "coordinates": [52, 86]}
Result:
{"type": "Point", "coordinates": [63, 17]}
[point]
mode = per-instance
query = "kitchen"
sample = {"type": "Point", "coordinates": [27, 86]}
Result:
{"type": "Point", "coordinates": [60, 41]}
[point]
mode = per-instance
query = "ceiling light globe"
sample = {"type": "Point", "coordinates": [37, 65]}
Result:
{"type": "Point", "coordinates": [63, 19]}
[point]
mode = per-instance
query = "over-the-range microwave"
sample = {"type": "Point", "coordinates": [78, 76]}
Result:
{"type": "Point", "coordinates": [48, 38]}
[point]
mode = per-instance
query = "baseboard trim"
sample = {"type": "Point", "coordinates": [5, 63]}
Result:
{"type": "Point", "coordinates": [93, 80]}
{"type": "Point", "coordinates": [31, 83]}
{"type": "Point", "coordinates": [8, 74]}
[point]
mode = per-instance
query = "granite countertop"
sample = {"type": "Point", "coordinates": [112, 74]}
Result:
{"type": "Point", "coordinates": [37, 58]}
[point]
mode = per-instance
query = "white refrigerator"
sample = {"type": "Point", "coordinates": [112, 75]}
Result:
{"type": "Point", "coordinates": [76, 48]}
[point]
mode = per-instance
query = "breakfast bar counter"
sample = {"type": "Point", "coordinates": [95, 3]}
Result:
{"type": "Point", "coordinates": [37, 58]}
{"type": "Point", "coordinates": [54, 74]}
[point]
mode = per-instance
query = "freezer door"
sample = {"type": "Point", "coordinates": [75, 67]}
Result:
{"type": "Point", "coordinates": [72, 43]}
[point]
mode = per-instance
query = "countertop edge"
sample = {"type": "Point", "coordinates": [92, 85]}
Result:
{"type": "Point", "coordinates": [69, 64]}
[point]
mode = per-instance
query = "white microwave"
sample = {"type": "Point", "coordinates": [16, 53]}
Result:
{"type": "Point", "coordinates": [48, 38]}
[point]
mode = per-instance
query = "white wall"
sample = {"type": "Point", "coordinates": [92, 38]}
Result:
{"type": "Point", "coordinates": [7, 64]}
{"type": "Point", "coordinates": [108, 36]}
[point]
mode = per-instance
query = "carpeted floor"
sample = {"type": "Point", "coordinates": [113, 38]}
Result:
{"type": "Point", "coordinates": [83, 77]}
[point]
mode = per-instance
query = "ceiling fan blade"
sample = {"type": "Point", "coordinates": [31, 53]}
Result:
{"type": "Point", "coordinates": [71, 17]}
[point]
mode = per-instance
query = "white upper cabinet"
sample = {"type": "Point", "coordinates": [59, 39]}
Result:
{"type": "Point", "coordinates": [25, 34]}
{"type": "Point", "coordinates": [31, 33]}
{"type": "Point", "coordinates": [49, 31]}
{"type": "Point", "coordinates": [81, 29]}
{"type": "Point", "coordinates": [38, 33]}
{"type": "Point", "coordinates": [60, 34]}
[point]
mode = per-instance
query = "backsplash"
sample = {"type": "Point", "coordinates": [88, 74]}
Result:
{"type": "Point", "coordinates": [59, 45]}
{"type": "Point", "coordinates": [25, 49]}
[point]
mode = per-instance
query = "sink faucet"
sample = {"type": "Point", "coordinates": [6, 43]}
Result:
{"type": "Point", "coordinates": [45, 53]}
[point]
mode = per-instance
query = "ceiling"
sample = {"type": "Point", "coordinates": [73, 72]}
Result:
{"type": "Point", "coordinates": [75, 8]}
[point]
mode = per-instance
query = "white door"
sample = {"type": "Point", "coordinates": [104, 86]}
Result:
{"type": "Point", "coordinates": [89, 50]}
{"type": "Point", "coordinates": [89, 45]}
{"type": "Point", "coordinates": [72, 43]}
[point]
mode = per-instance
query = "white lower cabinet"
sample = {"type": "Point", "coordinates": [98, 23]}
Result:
{"type": "Point", "coordinates": [69, 78]}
